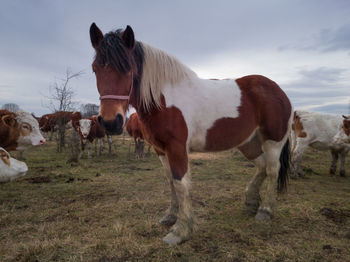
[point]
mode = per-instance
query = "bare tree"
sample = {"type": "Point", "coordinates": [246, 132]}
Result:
{"type": "Point", "coordinates": [11, 107]}
{"type": "Point", "coordinates": [61, 93]}
{"type": "Point", "coordinates": [61, 96]}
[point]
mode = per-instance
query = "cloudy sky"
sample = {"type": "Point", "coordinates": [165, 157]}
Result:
{"type": "Point", "coordinates": [303, 45]}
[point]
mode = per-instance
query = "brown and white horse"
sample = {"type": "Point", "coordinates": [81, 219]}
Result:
{"type": "Point", "coordinates": [182, 112]}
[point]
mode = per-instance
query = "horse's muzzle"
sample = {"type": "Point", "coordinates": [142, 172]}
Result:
{"type": "Point", "coordinates": [113, 127]}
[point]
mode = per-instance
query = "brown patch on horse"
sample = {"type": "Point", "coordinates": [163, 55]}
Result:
{"type": "Point", "coordinates": [252, 149]}
{"type": "Point", "coordinates": [5, 158]}
{"type": "Point", "coordinates": [168, 134]}
{"type": "Point", "coordinates": [258, 110]}
{"type": "Point", "coordinates": [298, 127]}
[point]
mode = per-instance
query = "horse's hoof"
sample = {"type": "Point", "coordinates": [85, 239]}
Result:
{"type": "Point", "coordinates": [172, 239]}
{"type": "Point", "coordinates": [342, 173]}
{"type": "Point", "coordinates": [263, 215]}
{"type": "Point", "coordinates": [251, 209]}
{"type": "Point", "coordinates": [168, 220]}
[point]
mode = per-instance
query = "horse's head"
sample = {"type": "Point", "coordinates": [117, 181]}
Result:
{"type": "Point", "coordinates": [114, 67]}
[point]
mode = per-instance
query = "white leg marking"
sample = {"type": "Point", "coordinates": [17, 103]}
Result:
{"type": "Point", "coordinates": [171, 214]}
{"type": "Point", "coordinates": [183, 227]}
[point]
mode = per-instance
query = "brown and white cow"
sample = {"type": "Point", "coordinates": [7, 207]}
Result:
{"type": "Point", "coordinates": [19, 131]}
{"type": "Point", "coordinates": [89, 129]}
{"type": "Point", "coordinates": [317, 131]}
{"type": "Point", "coordinates": [136, 129]}
{"type": "Point", "coordinates": [343, 135]}
{"type": "Point", "coordinates": [10, 168]}
{"type": "Point", "coordinates": [50, 122]}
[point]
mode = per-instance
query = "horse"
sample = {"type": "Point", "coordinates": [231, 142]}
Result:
{"type": "Point", "coordinates": [182, 112]}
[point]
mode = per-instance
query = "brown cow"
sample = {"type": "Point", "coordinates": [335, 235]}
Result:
{"type": "Point", "coordinates": [136, 129]}
{"type": "Point", "coordinates": [19, 130]}
{"type": "Point", "coordinates": [49, 122]}
{"type": "Point", "coordinates": [89, 129]}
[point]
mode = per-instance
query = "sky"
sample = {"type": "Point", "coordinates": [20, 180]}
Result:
{"type": "Point", "coordinates": [303, 45]}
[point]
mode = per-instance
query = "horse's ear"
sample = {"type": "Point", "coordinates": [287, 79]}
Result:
{"type": "Point", "coordinates": [96, 35]}
{"type": "Point", "coordinates": [129, 37]}
{"type": "Point", "coordinates": [345, 117]}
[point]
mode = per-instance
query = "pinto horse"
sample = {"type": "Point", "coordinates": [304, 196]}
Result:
{"type": "Point", "coordinates": [182, 112]}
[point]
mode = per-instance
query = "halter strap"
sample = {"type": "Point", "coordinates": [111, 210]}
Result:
{"type": "Point", "coordinates": [116, 97]}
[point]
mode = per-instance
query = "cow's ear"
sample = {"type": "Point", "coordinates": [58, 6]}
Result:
{"type": "Point", "coordinates": [9, 120]}
{"type": "Point", "coordinates": [129, 37]}
{"type": "Point", "coordinates": [96, 35]}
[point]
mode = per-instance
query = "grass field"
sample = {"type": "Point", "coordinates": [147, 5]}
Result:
{"type": "Point", "coordinates": [107, 208]}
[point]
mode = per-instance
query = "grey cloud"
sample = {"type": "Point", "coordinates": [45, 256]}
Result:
{"type": "Point", "coordinates": [326, 40]}
{"type": "Point", "coordinates": [334, 109]}
{"type": "Point", "coordinates": [317, 87]}
{"type": "Point", "coordinates": [334, 40]}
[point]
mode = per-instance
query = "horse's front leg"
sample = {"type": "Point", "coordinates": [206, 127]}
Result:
{"type": "Point", "coordinates": [170, 216]}
{"type": "Point", "coordinates": [179, 166]}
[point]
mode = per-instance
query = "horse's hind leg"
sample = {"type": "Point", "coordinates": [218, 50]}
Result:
{"type": "Point", "coordinates": [272, 152]}
{"type": "Point", "coordinates": [252, 151]}
{"type": "Point", "coordinates": [252, 191]}
{"type": "Point", "coordinates": [171, 214]}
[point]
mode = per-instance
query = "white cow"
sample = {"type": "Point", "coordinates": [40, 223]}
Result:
{"type": "Point", "coordinates": [343, 135]}
{"type": "Point", "coordinates": [30, 134]}
{"type": "Point", "coordinates": [317, 131]}
{"type": "Point", "coordinates": [10, 168]}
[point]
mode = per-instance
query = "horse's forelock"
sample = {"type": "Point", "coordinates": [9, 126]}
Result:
{"type": "Point", "coordinates": [114, 53]}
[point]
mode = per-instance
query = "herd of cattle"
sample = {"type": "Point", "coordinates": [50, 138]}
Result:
{"type": "Point", "coordinates": [21, 130]}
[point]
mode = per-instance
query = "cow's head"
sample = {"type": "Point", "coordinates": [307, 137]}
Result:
{"type": "Point", "coordinates": [10, 168]}
{"type": "Point", "coordinates": [85, 127]}
{"type": "Point", "coordinates": [30, 134]}
{"type": "Point", "coordinates": [343, 135]}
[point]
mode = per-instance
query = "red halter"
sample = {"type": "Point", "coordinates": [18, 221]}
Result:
{"type": "Point", "coordinates": [115, 97]}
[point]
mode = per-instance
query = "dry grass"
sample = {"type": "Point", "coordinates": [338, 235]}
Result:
{"type": "Point", "coordinates": [107, 208]}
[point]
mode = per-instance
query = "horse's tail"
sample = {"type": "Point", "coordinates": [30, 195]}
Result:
{"type": "Point", "coordinates": [284, 168]}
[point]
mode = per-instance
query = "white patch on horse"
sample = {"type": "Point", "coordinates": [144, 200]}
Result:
{"type": "Point", "coordinates": [202, 102]}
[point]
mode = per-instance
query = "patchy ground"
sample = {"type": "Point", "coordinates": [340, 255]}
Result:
{"type": "Point", "coordinates": [107, 208]}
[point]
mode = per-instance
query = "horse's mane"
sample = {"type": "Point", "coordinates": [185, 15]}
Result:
{"type": "Point", "coordinates": [159, 69]}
